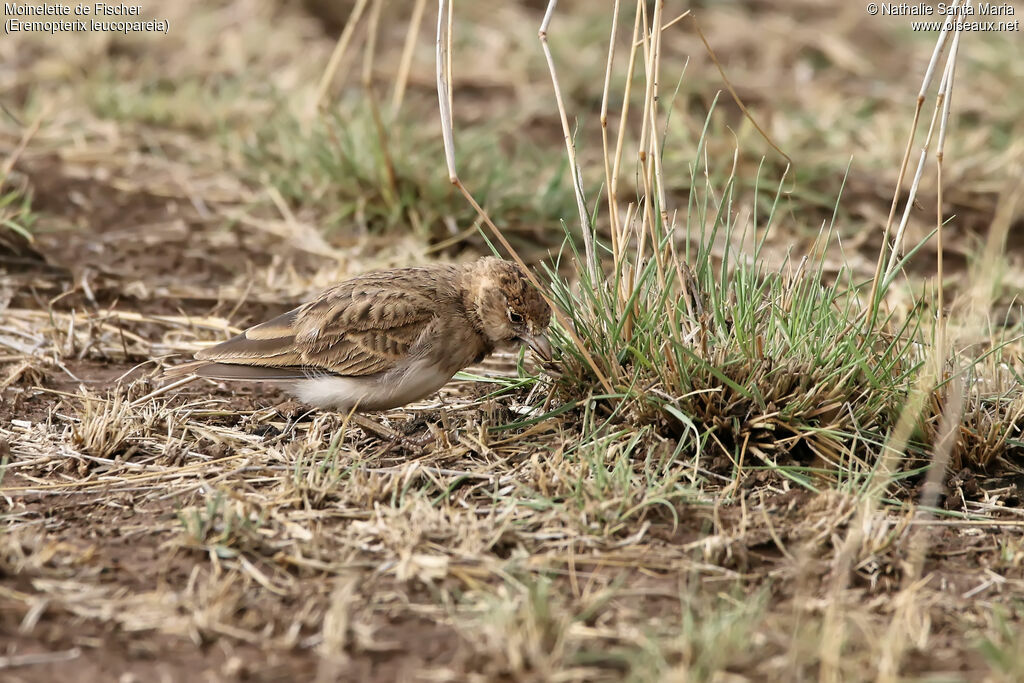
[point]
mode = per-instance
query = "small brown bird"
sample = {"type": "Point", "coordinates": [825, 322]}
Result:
{"type": "Point", "coordinates": [388, 337]}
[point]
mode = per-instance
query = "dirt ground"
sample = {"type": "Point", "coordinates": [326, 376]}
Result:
{"type": "Point", "coordinates": [347, 578]}
{"type": "Point", "coordinates": [223, 532]}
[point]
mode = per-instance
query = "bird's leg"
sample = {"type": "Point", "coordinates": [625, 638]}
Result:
{"type": "Point", "coordinates": [444, 434]}
{"type": "Point", "coordinates": [431, 432]}
{"type": "Point", "coordinates": [422, 441]}
{"type": "Point", "coordinates": [372, 426]}
{"type": "Point", "coordinates": [293, 413]}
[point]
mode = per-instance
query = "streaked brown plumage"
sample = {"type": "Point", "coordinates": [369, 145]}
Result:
{"type": "Point", "coordinates": [386, 338]}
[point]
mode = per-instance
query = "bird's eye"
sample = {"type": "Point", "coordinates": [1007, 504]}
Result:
{"type": "Point", "coordinates": [515, 318]}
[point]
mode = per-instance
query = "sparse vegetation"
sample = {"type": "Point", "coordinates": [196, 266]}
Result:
{"type": "Point", "coordinates": [768, 450]}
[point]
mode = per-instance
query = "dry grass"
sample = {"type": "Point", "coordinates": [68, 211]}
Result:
{"type": "Point", "coordinates": [746, 499]}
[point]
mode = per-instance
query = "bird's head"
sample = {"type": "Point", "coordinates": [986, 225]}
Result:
{"type": "Point", "coordinates": [510, 309]}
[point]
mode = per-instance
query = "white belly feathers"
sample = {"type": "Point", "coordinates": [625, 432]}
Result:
{"type": "Point", "coordinates": [414, 382]}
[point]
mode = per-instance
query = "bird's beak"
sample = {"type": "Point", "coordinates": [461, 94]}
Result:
{"type": "Point", "coordinates": [540, 345]}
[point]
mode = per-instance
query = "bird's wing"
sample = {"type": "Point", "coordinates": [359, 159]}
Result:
{"type": "Point", "coordinates": [361, 327]}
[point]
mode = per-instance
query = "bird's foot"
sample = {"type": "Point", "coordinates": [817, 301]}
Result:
{"type": "Point", "coordinates": [413, 444]}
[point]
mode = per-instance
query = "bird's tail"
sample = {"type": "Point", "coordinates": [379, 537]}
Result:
{"type": "Point", "coordinates": [235, 371]}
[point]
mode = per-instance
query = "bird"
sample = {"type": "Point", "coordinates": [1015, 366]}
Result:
{"type": "Point", "coordinates": [386, 338]}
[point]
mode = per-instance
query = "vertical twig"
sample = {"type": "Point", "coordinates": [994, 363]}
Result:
{"type": "Point", "coordinates": [444, 100]}
{"type": "Point", "coordinates": [932, 127]}
{"type": "Point", "coordinates": [946, 93]}
{"type": "Point", "coordinates": [369, 53]}
{"type": "Point", "coordinates": [447, 134]}
{"type": "Point", "coordinates": [627, 282]}
{"type": "Point", "coordinates": [873, 301]}
{"type": "Point", "coordinates": [613, 217]}
{"type": "Point", "coordinates": [370, 49]}
{"type": "Point", "coordinates": [641, 233]}
{"type": "Point", "coordinates": [570, 148]}
{"type": "Point", "coordinates": [627, 92]}
{"type": "Point", "coordinates": [653, 179]}
{"type": "Point", "coordinates": [405, 64]}
{"type": "Point", "coordinates": [339, 51]}
{"type": "Point", "coordinates": [448, 47]}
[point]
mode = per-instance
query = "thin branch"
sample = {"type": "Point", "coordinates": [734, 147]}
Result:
{"type": "Point", "coordinates": [405, 64]}
{"type": "Point", "coordinates": [570, 147]}
{"type": "Point", "coordinates": [447, 134]}
{"type": "Point", "coordinates": [612, 202]}
{"type": "Point", "coordinates": [946, 92]}
{"type": "Point", "coordinates": [873, 301]}
{"type": "Point", "coordinates": [339, 51]}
